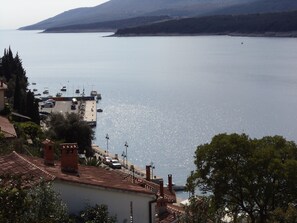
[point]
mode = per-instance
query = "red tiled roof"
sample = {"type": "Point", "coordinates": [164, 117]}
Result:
{"type": "Point", "coordinates": [7, 128]}
{"type": "Point", "coordinates": [89, 175]}
{"type": "Point", "coordinates": [15, 165]}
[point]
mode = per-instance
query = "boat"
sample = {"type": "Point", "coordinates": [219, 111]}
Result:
{"type": "Point", "coordinates": [34, 89]}
{"type": "Point", "coordinates": [99, 110]}
{"type": "Point", "coordinates": [58, 94]}
{"type": "Point", "coordinates": [93, 93]}
{"type": "Point", "coordinates": [45, 92]}
{"type": "Point", "coordinates": [77, 91]}
{"type": "Point", "coordinates": [63, 88]}
{"type": "Point", "coordinates": [33, 83]}
{"type": "Point", "coordinates": [98, 97]}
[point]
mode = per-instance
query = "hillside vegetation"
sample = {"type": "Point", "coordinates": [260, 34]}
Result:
{"type": "Point", "coordinates": [127, 9]}
{"type": "Point", "coordinates": [108, 25]}
{"type": "Point", "coordinates": [269, 24]}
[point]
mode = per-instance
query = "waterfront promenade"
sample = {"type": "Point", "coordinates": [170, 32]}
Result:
{"type": "Point", "coordinates": [126, 167]}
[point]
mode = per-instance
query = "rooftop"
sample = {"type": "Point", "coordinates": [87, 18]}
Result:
{"type": "Point", "coordinates": [88, 175]}
{"type": "Point", "coordinates": [14, 164]}
{"type": "Point", "coordinates": [7, 128]}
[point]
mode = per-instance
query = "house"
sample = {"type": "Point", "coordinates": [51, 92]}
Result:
{"type": "Point", "coordinates": [129, 198]}
{"type": "Point", "coordinates": [7, 129]}
{"type": "Point", "coordinates": [3, 88]}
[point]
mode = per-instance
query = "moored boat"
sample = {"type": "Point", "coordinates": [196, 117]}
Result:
{"type": "Point", "coordinates": [93, 93]}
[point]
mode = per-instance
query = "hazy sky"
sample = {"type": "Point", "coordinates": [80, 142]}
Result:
{"type": "Point", "coordinates": [17, 13]}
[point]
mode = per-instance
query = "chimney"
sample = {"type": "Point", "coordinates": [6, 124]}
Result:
{"type": "Point", "coordinates": [170, 183]}
{"type": "Point", "coordinates": [161, 188]}
{"type": "Point", "coordinates": [148, 172]}
{"type": "Point", "coordinates": [49, 152]}
{"type": "Point", "coordinates": [69, 157]}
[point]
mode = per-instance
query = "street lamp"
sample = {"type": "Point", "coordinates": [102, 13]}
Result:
{"type": "Point", "coordinates": [126, 145]}
{"type": "Point", "coordinates": [107, 138]}
{"type": "Point", "coordinates": [153, 167]}
{"type": "Point", "coordinates": [123, 157]}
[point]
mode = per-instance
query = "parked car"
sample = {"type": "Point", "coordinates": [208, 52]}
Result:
{"type": "Point", "coordinates": [115, 164]}
{"type": "Point", "coordinates": [50, 100]}
{"type": "Point", "coordinates": [107, 160]}
{"type": "Point", "coordinates": [74, 101]}
{"type": "Point", "coordinates": [48, 105]}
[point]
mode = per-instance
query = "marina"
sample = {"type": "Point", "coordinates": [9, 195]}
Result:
{"type": "Point", "coordinates": [84, 106]}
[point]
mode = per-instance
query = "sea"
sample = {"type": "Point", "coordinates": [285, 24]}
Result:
{"type": "Point", "coordinates": [164, 96]}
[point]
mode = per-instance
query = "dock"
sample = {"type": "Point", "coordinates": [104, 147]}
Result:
{"type": "Point", "coordinates": [86, 107]}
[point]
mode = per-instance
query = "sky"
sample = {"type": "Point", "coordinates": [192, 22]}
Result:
{"type": "Point", "coordinates": [17, 13]}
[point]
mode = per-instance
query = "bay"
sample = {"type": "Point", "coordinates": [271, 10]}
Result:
{"type": "Point", "coordinates": [167, 95]}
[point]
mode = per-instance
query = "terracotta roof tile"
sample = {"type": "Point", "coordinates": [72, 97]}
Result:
{"type": "Point", "coordinates": [7, 128]}
{"type": "Point", "coordinates": [95, 176]}
{"type": "Point", "coordinates": [15, 165]}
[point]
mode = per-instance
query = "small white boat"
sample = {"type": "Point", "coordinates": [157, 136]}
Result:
{"type": "Point", "coordinates": [45, 92]}
{"type": "Point", "coordinates": [93, 93]}
{"type": "Point", "coordinates": [77, 91]}
{"type": "Point", "coordinates": [63, 88]}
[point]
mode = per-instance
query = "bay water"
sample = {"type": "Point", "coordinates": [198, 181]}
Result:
{"type": "Point", "coordinates": [167, 95]}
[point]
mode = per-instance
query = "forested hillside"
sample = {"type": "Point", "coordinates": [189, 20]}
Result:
{"type": "Point", "coordinates": [269, 24]}
{"type": "Point", "coordinates": [127, 9]}
{"type": "Point", "coordinates": [109, 25]}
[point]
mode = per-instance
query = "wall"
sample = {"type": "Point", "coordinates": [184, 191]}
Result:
{"type": "Point", "coordinates": [77, 196]}
{"type": "Point", "coordinates": [2, 102]}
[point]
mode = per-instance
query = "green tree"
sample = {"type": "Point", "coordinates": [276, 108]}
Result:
{"type": "Point", "coordinates": [247, 176]}
{"type": "Point", "coordinates": [13, 73]}
{"type": "Point", "coordinates": [70, 128]}
{"type": "Point", "coordinates": [98, 213]}
{"type": "Point", "coordinates": [29, 129]}
{"type": "Point", "coordinates": [35, 205]}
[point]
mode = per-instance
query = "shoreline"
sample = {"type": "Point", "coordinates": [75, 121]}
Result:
{"type": "Point", "coordinates": [268, 34]}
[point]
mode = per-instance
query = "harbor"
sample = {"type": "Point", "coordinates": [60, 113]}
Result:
{"type": "Point", "coordinates": [85, 106]}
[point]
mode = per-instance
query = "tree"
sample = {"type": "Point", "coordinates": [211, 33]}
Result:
{"type": "Point", "coordinates": [13, 73]}
{"type": "Point", "coordinates": [247, 176]}
{"type": "Point", "coordinates": [98, 213]}
{"type": "Point", "coordinates": [70, 128]}
{"type": "Point", "coordinates": [34, 205]}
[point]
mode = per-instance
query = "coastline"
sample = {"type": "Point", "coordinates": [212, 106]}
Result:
{"type": "Point", "coordinates": [267, 34]}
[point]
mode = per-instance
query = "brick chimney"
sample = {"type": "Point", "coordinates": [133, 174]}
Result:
{"type": "Point", "coordinates": [49, 152]}
{"type": "Point", "coordinates": [161, 183]}
{"type": "Point", "coordinates": [148, 172]}
{"type": "Point", "coordinates": [170, 183]}
{"type": "Point", "coordinates": [69, 157]}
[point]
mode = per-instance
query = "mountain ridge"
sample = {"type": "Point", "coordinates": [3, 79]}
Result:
{"type": "Point", "coordinates": [115, 10]}
{"type": "Point", "coordinates": [124, 9]}
{"type": "Point", "coordinates": [281, 24]}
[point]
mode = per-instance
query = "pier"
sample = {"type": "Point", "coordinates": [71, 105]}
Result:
{"type": "Point", "coordinates": [86, 107]}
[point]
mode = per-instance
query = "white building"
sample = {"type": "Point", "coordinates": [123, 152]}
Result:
{"type": "Point", "coordinates": [79, 185]}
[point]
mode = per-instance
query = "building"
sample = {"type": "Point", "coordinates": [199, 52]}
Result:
{"type": "Point", "coordinates": [130, 199]}
{"type": "Point", "coordinates": [3, 88]}
{"type": "Point", "coordinates": [7, 129]}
